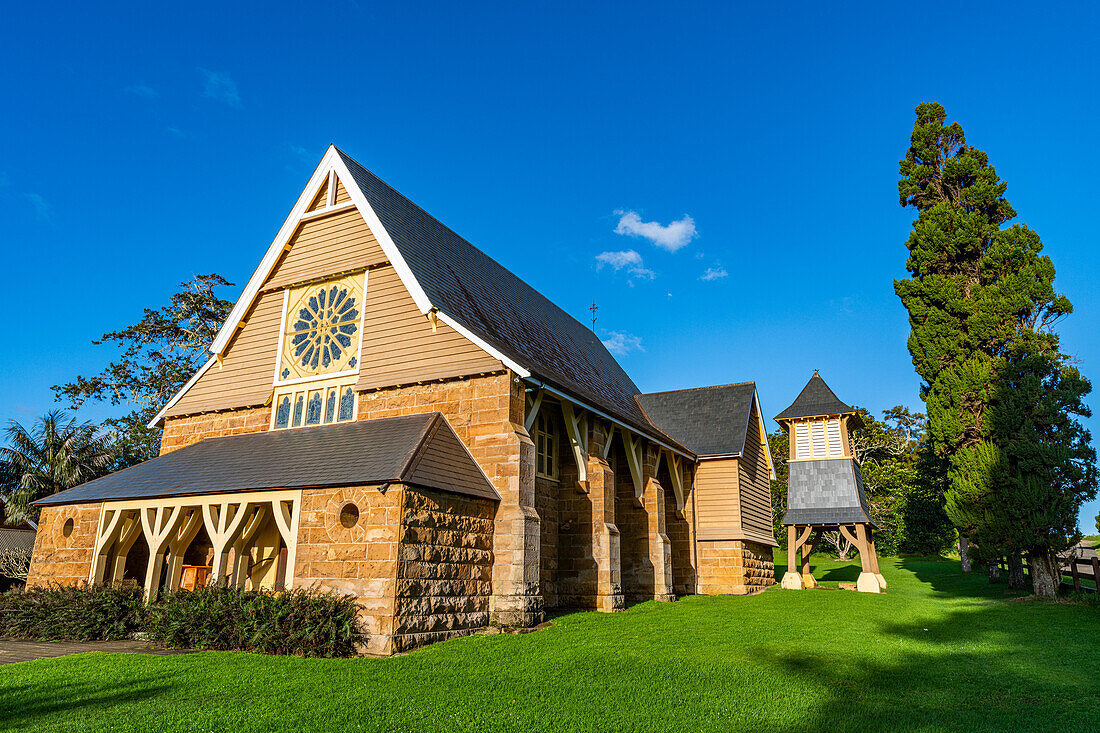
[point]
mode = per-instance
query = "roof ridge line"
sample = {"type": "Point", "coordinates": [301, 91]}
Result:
{"type": "Point", "coordinates": [695, 389]}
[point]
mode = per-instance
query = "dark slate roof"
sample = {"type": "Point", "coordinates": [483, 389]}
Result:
{"type": "Point", "coordinates": [815, 399]}
{"type": "Point", "coordinates": [707, 420]}
{"type": "Point", "coordinates": [510, 315]}
{"type": "Point", "coordinates": [826, 492]}
{"type": "Point", "coordinates": [17, 540]}
{"type": "Point", "coordinates": [393, 449]}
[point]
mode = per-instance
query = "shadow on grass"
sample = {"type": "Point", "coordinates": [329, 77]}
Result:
{"type": "Point", "coordinates": [984, 663]}
{"type": "Point", "coordinates": [30, 706]}
{"type": "Point", "coordinates": [975, 669]}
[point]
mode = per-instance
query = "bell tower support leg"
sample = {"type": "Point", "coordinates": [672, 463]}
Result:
{"type": "Point", "coordinates": [792, 579]}
{"type": "Point", "coordinates": [867, 581]}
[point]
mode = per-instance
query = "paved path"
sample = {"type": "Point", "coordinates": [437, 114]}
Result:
{"type": "Point", "coordinates": [18, 650]}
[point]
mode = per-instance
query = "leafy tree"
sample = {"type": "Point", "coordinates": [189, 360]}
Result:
{"type": "Point", "coordinates": [1045, 466]}
{"type": "Point", "coordinates": [56, 453]}
{"type": "Point", "coordinates": [980, 295]}
{"type": "Point", "coordinates": [158, 355]}
{"type": "Point", "coordinates": [780, 446]}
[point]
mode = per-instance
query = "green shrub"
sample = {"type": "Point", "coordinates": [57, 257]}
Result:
{"type": "Point", "coordinates": [78, 613]}
{"type": "Point", "coordinates": [303, 622]}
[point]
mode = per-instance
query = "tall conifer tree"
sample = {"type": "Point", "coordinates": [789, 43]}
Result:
{"type": "Point", "coordinates": [981, 305]}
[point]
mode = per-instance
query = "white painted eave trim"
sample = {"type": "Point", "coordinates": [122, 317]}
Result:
{"type": "Point", "coordinates": [190, 383]}
{"type": "Point", "coordinates": [520, 371]}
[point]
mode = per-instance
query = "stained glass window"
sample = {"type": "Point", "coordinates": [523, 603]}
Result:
{"type": "Point", "coordinates": [347, 404]}
{"type": "Point", "coordinates": [324, 403]}
{"type": "Point", "coordinates": [298, 404]}
{"type": "Point", "coordinates": [282, 414]}
{"type": "Point", "coordinates": [313, 409]}
{"type": "Point", "coordinates": [322, 329]}
{"type": "Point", "coordinates": [330, 406]}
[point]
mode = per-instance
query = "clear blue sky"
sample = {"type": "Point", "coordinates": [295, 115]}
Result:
{"type": "Point", "coordinates": [141, 146]}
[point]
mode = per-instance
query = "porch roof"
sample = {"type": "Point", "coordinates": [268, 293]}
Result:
{"type": "Point", "coordinates": [420, 450]}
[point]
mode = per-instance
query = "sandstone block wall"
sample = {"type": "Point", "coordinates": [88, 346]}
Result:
{"type": "Point", "coordinates": [487, 414]}
{"type": "Point", "coordinates": [445, 567]}
{"type": "Point", "coordinates": [360, 560]}
{"type": "Point", "coordinates": [183, 431]}
{"type": "Point", "coordinates": [734, 567]}
{"type": "Point", "coordinates": [62, 551]}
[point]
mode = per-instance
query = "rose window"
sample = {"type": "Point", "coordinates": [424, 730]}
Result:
{"type": "Point", "coordinates": [322, 329]}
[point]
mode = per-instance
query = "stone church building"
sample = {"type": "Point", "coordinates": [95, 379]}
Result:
{"type": "Point", "coordinates": [389, 413]}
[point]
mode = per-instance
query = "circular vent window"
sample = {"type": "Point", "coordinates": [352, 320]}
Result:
{"type": "Point", "coordinates": [67, 528]}
{"type": "Point", "coordinates": [349, 516]}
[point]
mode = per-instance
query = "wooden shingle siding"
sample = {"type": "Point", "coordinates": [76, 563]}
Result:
{"type": "Point", "coordinates": [754, 482]}
{"type": "Point", "coordinates": [321, 199]}
{"type": "Point", "coordinates": [245, 376]}
{"type": "Point", "coordinates": [329, 245]}
{"type": "Point", "coordinates": [717, 500]}
{"type": "Point", "coordinates": [342, 194]}
{"type": "Point", "coordinates": [399, 346]}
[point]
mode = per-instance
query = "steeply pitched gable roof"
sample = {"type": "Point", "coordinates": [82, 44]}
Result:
{"type": "Point", "coordinates": [421, 450]}
{"type": "Point", "coordinates": [515, 319]}
{"type": "Point", "coordinates": [815, 399]}
{"type": "Point", "coordinates": [707, 420]}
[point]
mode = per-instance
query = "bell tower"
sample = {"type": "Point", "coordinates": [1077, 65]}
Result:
{"type": "Point", "coordinates": [825, 490]}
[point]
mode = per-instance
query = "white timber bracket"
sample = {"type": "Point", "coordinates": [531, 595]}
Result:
{"type": "Point", "coordinates": [118, 528]}
{"type": "Point", "coordinates": [533, 405]}
{"type": "Point", "coordinates": [160, 525]}
{"type": "Point", "coordinates": [223, 522]}
{"type": "Point", "coordinates": [243, 542]}
{"type": "Point", "coordinates": [676, 473]}
{"type": "Point", "coordinates": [576, 429]}
{"type": "Point", "coordinates": [634, 447]}
{"type": "Point", "coordinates": [178, 543]}
{"type": "Point", "coordinates": [287, 514]}
{"type": "Point", "coordinates": [608, 440]}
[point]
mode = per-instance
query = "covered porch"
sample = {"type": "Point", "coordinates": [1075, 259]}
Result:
{"type": "Point", "coordinates": [242, 540]}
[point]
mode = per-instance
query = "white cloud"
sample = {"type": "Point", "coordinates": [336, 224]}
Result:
{"type": "Point", "coordinates": [41, 208]}
{"type": "Point", "coordinates": [628, 259]}
{"type": "Point", "coordinates": [142, 90]}
{"type": "Point", "coordinates": [177, 132]}
{"type": "Point", "coordinates": [621, 343]}
{"type": "Point", "coordinates": [714, 273]}
{"type": "Point", "coordinates": [671, 236]}
{"type": "Point", "coordinates": [301, 152]}
{"type": "Point", "coordinates": [218, 85]}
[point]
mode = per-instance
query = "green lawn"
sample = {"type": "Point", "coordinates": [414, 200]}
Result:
{"type": "Point", "coordinates": [937, 652]}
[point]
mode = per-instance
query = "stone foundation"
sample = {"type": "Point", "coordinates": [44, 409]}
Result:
{"type": "Point", "coordinates": [63, 551]}
{"type": "Point", "coordinates": [360, 560]}
{"type": "Point", "coordinates": [487, 414]}
{"type": "Point", "coordinates": [444, 569]}
{"type": "Point", "coordinates": [734, 567]}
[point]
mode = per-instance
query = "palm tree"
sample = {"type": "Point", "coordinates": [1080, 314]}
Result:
{"type": "Point", "coordinates": [57, 453]}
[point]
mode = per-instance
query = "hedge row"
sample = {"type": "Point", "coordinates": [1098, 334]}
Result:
{"type": "Point", "coordinates": [303, 622]}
